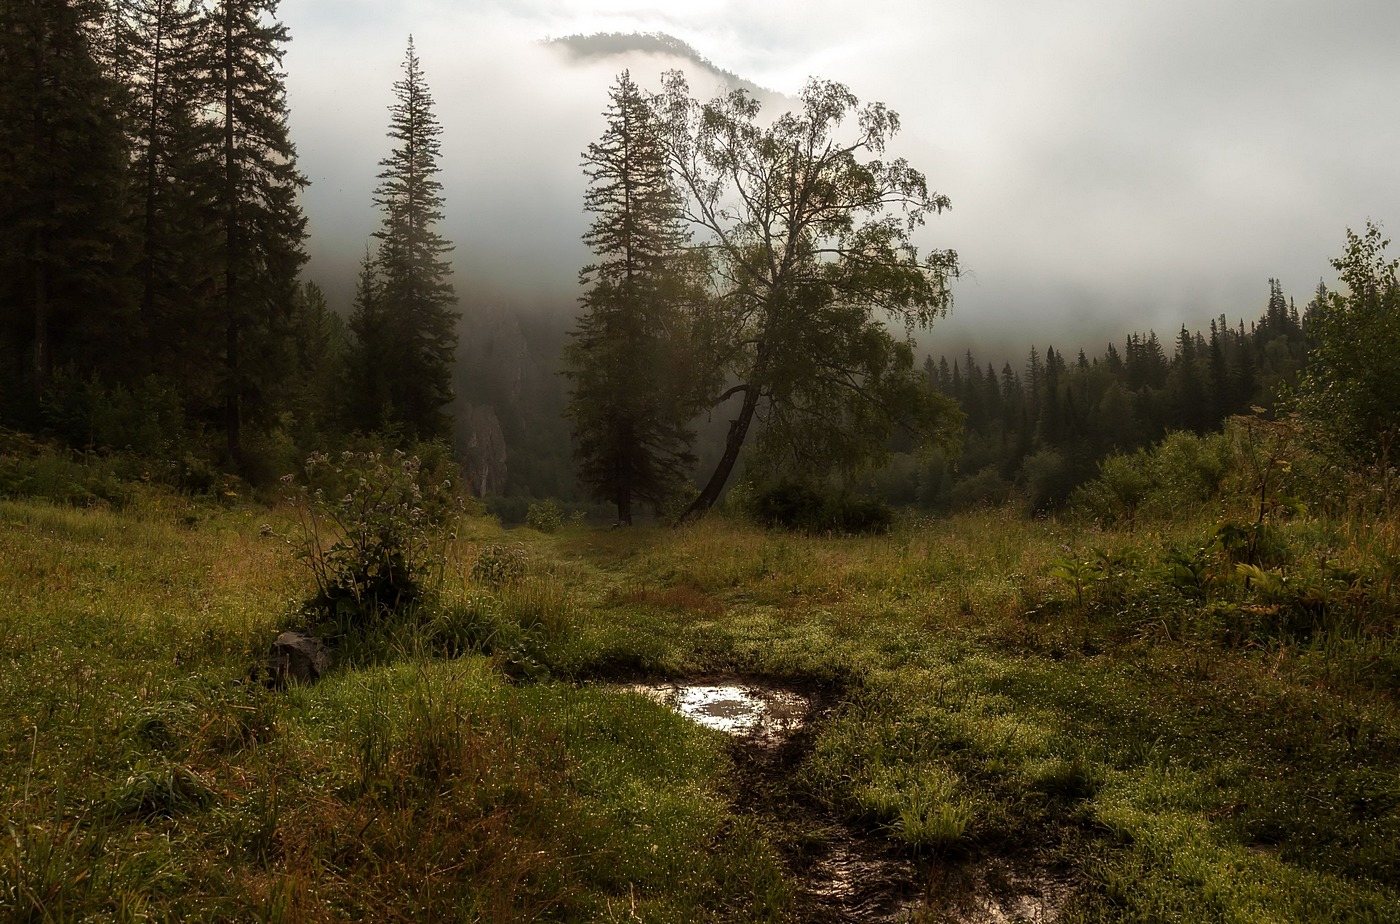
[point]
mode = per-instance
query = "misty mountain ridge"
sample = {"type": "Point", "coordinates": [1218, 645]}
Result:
{"type": "Point", "coordinates": [603, 45]}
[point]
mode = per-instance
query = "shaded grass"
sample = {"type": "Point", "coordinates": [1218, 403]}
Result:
{"type": "Point", "coordinates": [147, 778]}
{"type": "Point", "coordinates": [1180, 768]}
{"type": "Point", "coordinates": [1175, 756]}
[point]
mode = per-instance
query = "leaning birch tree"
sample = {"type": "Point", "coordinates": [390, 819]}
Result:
{"type": "Point", "coordinates": [821, 288]}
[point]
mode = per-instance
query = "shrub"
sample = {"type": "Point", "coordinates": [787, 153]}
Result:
{"type": "Point", "coordinates": [1188, 470]}
{"type": "Point", "coordinates": [799, 507]}
{"type": "Point", "coordinates": [544, 516]}
{"type": "Point", "coordinates": [1351, 388]}
{"type": "Point", "coordinates": [511, 511]}
{"type": "Point", "coordinates": [1116, 495]}
{"type": "Point", "coordinates": [985, 489]}
{"type": "Point", "coordinates": [792, 506]}
{"type": "Point", "coordinates": [858, 515]}
{"type": "Point", "coordinates": [1049, 478]}
{"type": "Point", "coordinates": [32, 469]}
{"type": "Point", "coordinates": [368, 527]}
{"type": "Point", "coordinates": [148, 418]}
{"type": "Point", "coordinates": [1173, 478]}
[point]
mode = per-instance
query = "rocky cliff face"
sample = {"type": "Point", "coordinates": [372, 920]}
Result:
{"type": "Point", "coordinates": [482, 447]}
{"type": "Point", "coordinates": [508, 423]}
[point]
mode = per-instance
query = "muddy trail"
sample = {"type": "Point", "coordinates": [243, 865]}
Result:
{"type": "Point", "coordinates": [845, 873]}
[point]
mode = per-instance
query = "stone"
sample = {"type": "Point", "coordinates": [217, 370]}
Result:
{"type": "Point", "coordinates": [298, 658]}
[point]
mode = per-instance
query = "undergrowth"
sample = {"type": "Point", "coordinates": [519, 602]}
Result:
{"type": "Point", "coordinates": [1188, 718]}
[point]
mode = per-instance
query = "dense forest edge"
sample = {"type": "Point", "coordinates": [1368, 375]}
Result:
{"type": "Point", "coordinates": [1093, 638]}
{"type": "Point", "coordinates": [153, 304]}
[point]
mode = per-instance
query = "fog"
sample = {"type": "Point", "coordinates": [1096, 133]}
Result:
{"type": "Point", "coordinates": [1112, 167]}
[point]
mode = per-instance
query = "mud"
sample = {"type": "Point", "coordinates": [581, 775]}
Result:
{"type": "Point", "coordinates": [846, 874]}
{"type": "Point", "coordinates": [995, 891]}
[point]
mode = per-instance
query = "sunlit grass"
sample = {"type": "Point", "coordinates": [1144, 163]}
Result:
{"type": "Point", "coordinates": [985, 708]}
{"type": "Point", "coordinates": [1174, 758]}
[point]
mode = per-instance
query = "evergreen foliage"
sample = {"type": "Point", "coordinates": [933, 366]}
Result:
{"type": "Point", "coordinates": [405, 316]}
{"type": "Point", "coordinates": [631, 360]}
{"type": "Point", "coordinates": [1047, 431]}
{"type": "Point", "coordinates": [155, 237]}
{"type": "Point", "coordinates": [65, 253]}
{"type": "Point", "coordinates": [175, 182]}
{"type": "Point", "coordinates": [258, 219]}
{"type": "Point", "coordinates": [149, 297]}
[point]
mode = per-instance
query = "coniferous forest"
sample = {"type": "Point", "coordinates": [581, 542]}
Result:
{"type": "Point", "coordinates": [323, 612]}
{"type": "Point", "coordinates": [153, 300]}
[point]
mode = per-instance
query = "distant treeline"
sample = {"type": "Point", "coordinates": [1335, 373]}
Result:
{"type": "Point", "coordinates": [151, 298]}
{"type": "Point", "coordinates": [1040, 430]}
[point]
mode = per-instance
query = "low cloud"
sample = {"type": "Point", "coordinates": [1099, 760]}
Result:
{"type": "Point", "coordinates": [1112, 167]}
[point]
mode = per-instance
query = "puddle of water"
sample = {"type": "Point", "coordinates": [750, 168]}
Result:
{"type": "Point", "coordinates": [764, 715]}
{"type": "Point", "coordinates": [856, 877]}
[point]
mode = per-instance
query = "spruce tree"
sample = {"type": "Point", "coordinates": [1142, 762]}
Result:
{"type": "Point", "coordinates": [259, 222]}
{"type": "Point", "coordinates": [632, 395]}
{"type": "Point", "coordinates": [406, 302]}
{"type": "Point", "coordinates": [174, 189]}
{"type": "Point", "coordinates": [64, 250]}
{"type": "Point", "coordinates": [1188, 400]}
{"type": "Point", "coordinates": [314, 391]}
{"type": "Point", "coordinates": [369, 405]}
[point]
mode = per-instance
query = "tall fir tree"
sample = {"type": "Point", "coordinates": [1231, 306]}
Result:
{"type": "Point", "coordinates": [632, 393]}
{"type": "Point", "coordinates": [174, 194]}
{"type": "Point", "coordinates": [64, 250]}
{"type": "Point", "coordinates": [406, 301]}
{"type": "Point", "coordinates": [259, 221]}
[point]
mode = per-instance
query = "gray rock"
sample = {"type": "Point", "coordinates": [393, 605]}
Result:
{"type": "Point", "coordinates": [298, 658]}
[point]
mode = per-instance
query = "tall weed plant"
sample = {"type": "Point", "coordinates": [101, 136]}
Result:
{"type": "Point", "coordinates": [373, 532]}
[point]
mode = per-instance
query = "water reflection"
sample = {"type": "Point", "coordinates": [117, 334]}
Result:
{"type": "Point", "coordinates": [754, 711]}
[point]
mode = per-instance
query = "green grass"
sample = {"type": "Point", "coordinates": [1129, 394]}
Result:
{"type": "Point", "coordinates": [1174, 754]}
{"type": "Point", "coordinates": [146, 776]}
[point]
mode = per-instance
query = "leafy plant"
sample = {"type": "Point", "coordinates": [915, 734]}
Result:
{"type": "Point", "coordinates": [367, 534]}
{"type": "Point", "coordinates": [1077, 572]}
{"type": "Point", "coordinates": [1100, 568]}
{"type": "Point", "coordinates": [545, 517]}
{"type": "Point", "coordinates": [1189, 572]}
{"type": "Point", "coordinates": [1351, 388]}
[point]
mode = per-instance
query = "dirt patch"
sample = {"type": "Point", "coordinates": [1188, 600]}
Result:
{"type": "Point", "coordinates": [994, 891]}
{"type": "Point", "coordinates": [846, 874]}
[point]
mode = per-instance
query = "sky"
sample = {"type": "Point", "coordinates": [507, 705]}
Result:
{"type": "Point", "coordinates": [1113, 166]}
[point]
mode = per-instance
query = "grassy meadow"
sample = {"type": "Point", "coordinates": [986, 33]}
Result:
{"type": "Point", "coordinates": [1129, 710]}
